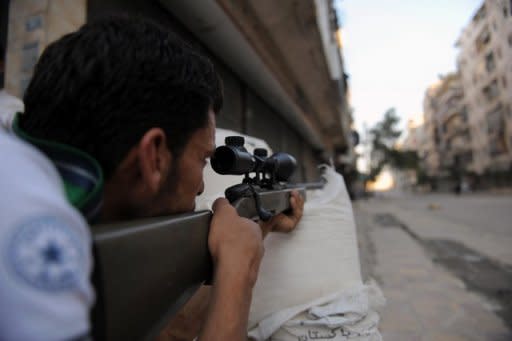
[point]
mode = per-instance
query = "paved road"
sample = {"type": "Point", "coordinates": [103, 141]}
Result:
{"type": "Point", "coordinates": [443, 263]}
{"type": "Point", "coordinates": [480, 221]}
{"type": "Point", "coordinates": [479, 212]}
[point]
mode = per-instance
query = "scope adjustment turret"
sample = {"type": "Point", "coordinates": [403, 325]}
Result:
{"type": "Point", "coordinates": [261, 152]}
{"type": "Point", "coordinates": [234, 141]}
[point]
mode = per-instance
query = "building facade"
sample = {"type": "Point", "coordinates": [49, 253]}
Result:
{"type": "Point", "coordinates": [280, 61]}
{"type": "Point", "coordinates": [467, 114]}
{"type": "Point", "coordinates": [448, 144]}
{"type": "Point", "coordinates": [485, 65]}
{"type": "Point", "coordinates": [431, 160]}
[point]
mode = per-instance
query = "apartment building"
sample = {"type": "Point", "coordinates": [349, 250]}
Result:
{"type": "Point", "coordinates": [280, 62]}
{"type": "Point", "coordinates": [447, 149]}
{"type": "Point", "coordinates": [430, 161]}
{"type": "Point", "coordinates": [415, 138]}
{"type": "Point", "coordinates": [455, 151]}
{"type": "Point", "coordinates": [485, 65]}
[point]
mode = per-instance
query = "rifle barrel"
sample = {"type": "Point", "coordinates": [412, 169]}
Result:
{"type": "Point", "coordinates": [309, 185]}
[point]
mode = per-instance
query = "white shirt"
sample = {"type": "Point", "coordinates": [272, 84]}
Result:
{"type": "Point", "coordinates": [9, 106]}
{"type": "Point", "coordinates": [45, 250]}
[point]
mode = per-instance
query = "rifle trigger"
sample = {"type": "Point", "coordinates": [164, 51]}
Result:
{"type": "Point", "coordinates": [264, 214]}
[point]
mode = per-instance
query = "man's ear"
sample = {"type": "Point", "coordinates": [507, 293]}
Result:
{"type": "Point", "coordinates": [154, 159]}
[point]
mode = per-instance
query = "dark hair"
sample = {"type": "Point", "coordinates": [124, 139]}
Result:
{"type": "Point", "coordinates": [102, 87]}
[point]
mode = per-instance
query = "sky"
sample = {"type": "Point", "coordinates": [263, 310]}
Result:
{"type": "Point", "coordinates": [394, 49]}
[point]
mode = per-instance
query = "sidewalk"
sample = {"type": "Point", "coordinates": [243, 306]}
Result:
{"type": "Point", "coordinates": [424, 301]}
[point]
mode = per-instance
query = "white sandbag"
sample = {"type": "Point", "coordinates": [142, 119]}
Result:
{"type": "Point", "coordinates": [313, 264]}
{"type": "Point", "coordinates": [349, 315]}
{"type": "Point", "coordinates": [324, 259]}
{"type": "Point", "coordinates": [309, 282]}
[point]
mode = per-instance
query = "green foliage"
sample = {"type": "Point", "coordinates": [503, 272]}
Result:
{"type": "Point", "coordinates": [383, 137]}
{"type": "Point", "coordinates": [386, 132]}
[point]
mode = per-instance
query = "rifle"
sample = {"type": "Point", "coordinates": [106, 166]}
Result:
{"type": "Point", "coordinates": [146, 270]}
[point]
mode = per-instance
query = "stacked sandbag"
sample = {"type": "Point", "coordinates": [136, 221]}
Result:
{"type": "Point", "coordinates": [310, 285]}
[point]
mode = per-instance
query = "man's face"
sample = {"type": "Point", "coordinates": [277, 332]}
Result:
{"type": "Point", "coordinates": [188, 176]}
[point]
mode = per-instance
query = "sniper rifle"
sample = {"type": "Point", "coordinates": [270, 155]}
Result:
{"type": "Point", "coordinates": [146, 270]}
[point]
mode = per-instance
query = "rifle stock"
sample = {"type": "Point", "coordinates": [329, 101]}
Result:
{"type": "Point", "coordinates": [146, 270]}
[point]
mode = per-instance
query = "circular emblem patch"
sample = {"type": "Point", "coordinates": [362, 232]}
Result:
{"type": "Point", "coordinates": [45, 253]}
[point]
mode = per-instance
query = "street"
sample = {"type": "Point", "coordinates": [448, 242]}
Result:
{"type": "Point", "coordinates": [444, 263]}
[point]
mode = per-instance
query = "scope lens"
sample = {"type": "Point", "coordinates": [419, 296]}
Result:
{"type": "Point", "coordinates": [223, 160]}
{"type": "Point", "coordinates": [281, 165]}
{"type": "Point", "coordinates": [232, 160]}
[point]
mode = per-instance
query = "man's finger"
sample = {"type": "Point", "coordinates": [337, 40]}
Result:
{"type": "Point", "coordinates": [297, 203]}
{"type": "Point", "coordinates": [219, 203]}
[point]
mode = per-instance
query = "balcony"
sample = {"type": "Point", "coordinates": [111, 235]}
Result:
{"type": "Point", "coordinates": [455, 125]}
{"type": "Point", "coordinates": [480, 15]}
{"type": "Point", "coordinates": [460, 142]}
{"type": "Point", "coordinates": [453, 106]}
{"type": "Point", "coordinates": [483, 40]}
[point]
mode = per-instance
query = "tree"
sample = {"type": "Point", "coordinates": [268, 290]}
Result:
{"type": "Point", "coordinates": [386, 132]}
{"type": "Point", "coordinates": [383, 138]}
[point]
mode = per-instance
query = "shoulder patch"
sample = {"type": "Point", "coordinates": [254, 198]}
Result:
{"type": "Point", "coordinates": [46, 254]}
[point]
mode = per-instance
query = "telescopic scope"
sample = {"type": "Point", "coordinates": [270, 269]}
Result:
{"type": "Point", "coordinates": [234, 159]}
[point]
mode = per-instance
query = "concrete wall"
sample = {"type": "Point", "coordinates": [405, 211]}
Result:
{"type": "Point", "coordinates": [32, 25]}
{"type": "Point", "coordinates": [244, 109]}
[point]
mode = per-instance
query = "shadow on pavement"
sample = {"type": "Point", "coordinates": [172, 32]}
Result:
{"type": "Point", "coordinates": [479, 273]}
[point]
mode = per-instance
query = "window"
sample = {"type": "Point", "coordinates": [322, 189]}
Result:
{"type": "Point", "coordinates": [464, 114]}
{"type": "Point", "coordinates": [504, 81]}
{"type": "Point", "coordinates": [482, 40]}
{"type": "Point", "coordinates": [29, 54]}
{"type": "Point", "coordinates": [491, 91]}
{"type": "Point", "coordinates": [509, 39]}
{"type": "Point", "coordinates": [24, 81]}
{"type": "Point", "coordinates": [490, 65]}
{"type": "Point", "coordinates": [498, 52]}
{"type": "Point", "coordinates": [496, 131]}
{"type": "Point", "coordinates": [33, 23]}
{"type": "Point", "coordinates": [480, 14]}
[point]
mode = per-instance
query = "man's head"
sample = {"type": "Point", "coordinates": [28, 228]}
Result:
{"type": "Point", "coordinates": [136, 98]}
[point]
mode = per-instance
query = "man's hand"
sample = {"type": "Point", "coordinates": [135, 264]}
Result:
{"type": "Point", "coordinates": [236, 246]}
{"type": "Point", "coordinates": [234, 241]}
{"type": "Point", "coordinates": [224, 231]}
{"type": "Point", "coordinates": [286, 222]}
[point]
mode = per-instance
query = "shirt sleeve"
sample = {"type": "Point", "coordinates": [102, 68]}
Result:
{"type": "Point", "coordinates": [45, 251]}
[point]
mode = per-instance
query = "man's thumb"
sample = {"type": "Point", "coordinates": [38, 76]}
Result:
{"type": "Point", "coordinates": [219, 203]}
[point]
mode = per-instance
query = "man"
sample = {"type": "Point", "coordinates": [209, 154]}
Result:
{"type": "Point", "coordinates": [133, 97]}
